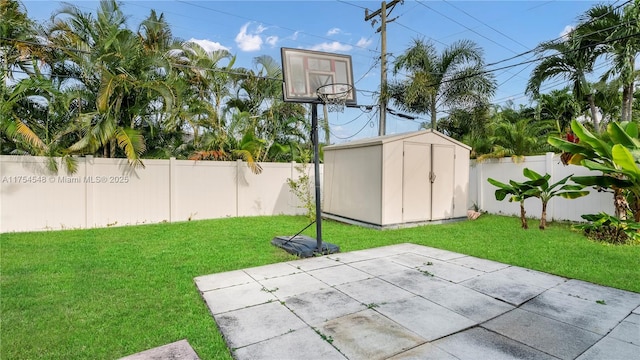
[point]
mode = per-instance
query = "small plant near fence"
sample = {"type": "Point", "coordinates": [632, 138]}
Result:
{"type": "Point", "coordinates": [608, 228]}
{"type": "Point", "coordinates": [537, 186]}
{"type": "Point", "coordinates": [302, 187]}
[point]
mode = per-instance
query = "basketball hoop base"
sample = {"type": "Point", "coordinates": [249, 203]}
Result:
{"type": "Point", "coordinates": [304, 246]}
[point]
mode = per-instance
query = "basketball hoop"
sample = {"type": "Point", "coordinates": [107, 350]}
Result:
{"type": "Point", "coordinates": [334, 96]}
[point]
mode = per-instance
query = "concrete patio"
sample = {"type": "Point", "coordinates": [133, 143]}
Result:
{"type": "Point", "coordinates": [414, 302]}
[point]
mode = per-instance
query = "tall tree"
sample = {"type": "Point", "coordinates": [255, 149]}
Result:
{"type": "Point", "coordinates": [108, 60]}
{"type": "Point", "coordinates": [558, 106]}
{"type": "Point", "coordinates": [616, 31]}
{"type": "Point", "coordinates": [455, 78]}
{"type": "Point", "coordinates": [571, 59]}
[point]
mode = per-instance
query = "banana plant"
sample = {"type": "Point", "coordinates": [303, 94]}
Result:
{"type": "Point", "coordinates": [545, 191]}
{"type": "Point", "coordinates": [616, 154]}
{"type": "Point", "coordinates": [519, 191]}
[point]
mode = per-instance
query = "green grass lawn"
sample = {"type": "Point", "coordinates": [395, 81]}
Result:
{"type": "Point", "coordinates": [108, 293]}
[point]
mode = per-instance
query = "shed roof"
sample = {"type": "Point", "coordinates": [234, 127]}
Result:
{"type": "Point", "coordinates": [380, 140]}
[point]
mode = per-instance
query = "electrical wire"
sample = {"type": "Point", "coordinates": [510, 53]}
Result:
{"type": "Point", "coordinates": [485, 24]}
{"type": "Point", "coordinates": [466, 27]}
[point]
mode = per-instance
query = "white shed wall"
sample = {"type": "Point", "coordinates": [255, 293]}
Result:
{"type": "Point", "coordinates": [461, 185]}
{"type": "Point", "coordinates": [392, 183]}
{"type": "Point", "coordinates": [353, 183]}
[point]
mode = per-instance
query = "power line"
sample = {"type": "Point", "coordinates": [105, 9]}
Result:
{"type": "Point", "coordinates": [466, 27]}
{"type": "Point", "coordinates": [485, 24]}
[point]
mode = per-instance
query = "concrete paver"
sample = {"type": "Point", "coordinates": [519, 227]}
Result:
{"type": "Point", "coordinates": [223, 280]}
{"type": "Point", "coordinates": [425, 318]}
{"type": "Point", "coordinates": [338, 275]}
{"type": "Point", "coordinates": [379, 266]}
{"type": "Point", "coordinates": [585, 314]}
{"type": "Point", "coordinates": [257, 323]}
{"type": "Point", "coordinates": [424, 352]}
{"type": "Point", "coordinates": [416, 282]}
{"type": "Point", "coordinates": [290, 285]}
{"type": "Point", "coordinates": [627, 331]}
{"type": "Point", "coordinates": [236, 297]}
{"type": "Point", "coordinates": [179, 350]}
{"type": "Point", "coordinates": [593, 292]}
{"type": "Point", "coordinates": [408, 301]}
{"type": "Point", "coordinates": [611, 349]}
{"type": "Point", "coordinates": [314, 263]}
{"type": "Point", "coordinates": [373, 291]}
{"type": "Point", "coordinates": [367, 335]}
{"type": "Point", "coordinates": [449, 272]}
{"type": "Point", "coordinates": [317, 307]}
{"type": "Point", "coordinates": [550, 336]}
{"type": "Point", "coordinates": [467, 302]}
{"type": "Point", "coordinates": [479, 264]}
{"type": "Point", "coordinates": [512, 284]}
{"type": "Point", "coordinates": [271, 271]}
{"type": "Point", "coordinates": [300, 344]}
{"type": "Point", "coordinates": [479, 343]}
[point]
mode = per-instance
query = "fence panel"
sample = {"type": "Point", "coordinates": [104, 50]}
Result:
{"type": "Point", "coordinates": [481, 192]}
{"type": "Point", "coordinates": [108, 192]}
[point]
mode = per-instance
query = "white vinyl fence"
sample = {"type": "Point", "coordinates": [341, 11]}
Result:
{"type": "Point", "coordinates": [108, 192]}
{"type": "Point", "coordinates": [481, 193]}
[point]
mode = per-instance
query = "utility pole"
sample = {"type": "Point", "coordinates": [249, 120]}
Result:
{"type": "Point", "coordinates": [383, 56]}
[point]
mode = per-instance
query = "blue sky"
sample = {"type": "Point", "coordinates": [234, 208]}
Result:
{"type": "Point", "coordinates": [253, 28]}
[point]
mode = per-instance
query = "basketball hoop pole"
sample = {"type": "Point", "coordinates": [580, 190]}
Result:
{"type": "Point", "coordinates": [316, 164]}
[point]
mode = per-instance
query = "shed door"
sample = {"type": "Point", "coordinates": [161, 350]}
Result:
{"type": "Point", "coordinates": [416, 188]}
{"type": "Point", "coordinates": [443, 180]}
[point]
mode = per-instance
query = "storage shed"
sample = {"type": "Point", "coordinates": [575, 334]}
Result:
{"type": "Point", "coordinates": [396, 180]}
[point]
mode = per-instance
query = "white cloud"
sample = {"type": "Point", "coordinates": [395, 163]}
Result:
{"type": "Point", "coordinates": [364, 42]}
{"type": "Point", "coordinates": [295, 35]}
{"type": "Point", "coordinates": [249, 41]}
{"type": "Point", "coordinates": [209, 45]}
{"type": "Point", "coordinates": [272, 40]}
{"type": "Point", "coordinates": [333, 31]}
{"type": "Point", "coordinates": [260, 29]}
{"type": "Point", "coordinates": [332, 47]}
{"type": "Point", "coordinates": [565, 32]}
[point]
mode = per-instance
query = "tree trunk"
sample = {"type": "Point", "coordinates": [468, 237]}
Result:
{"type": "Point", "coordinates": [620, 204]}
{"type": "Point", "coordinates": [433, 115]}
{"type": "Point", "coordinates": [594, 117]}
{"type": "Point", "coordinates": [325, 126]}
{"type": "Point", "coordinates": [543, 216]}
{"type": "Point", "coordinates": [636, 209]}
{"type": "Point", "coordinates": [523, 219]}
{"type": "Point", "coordinates": [627, 101]}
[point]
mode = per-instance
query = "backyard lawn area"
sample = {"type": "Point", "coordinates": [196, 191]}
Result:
{"type": "Point", "coordinates": [108, 293]}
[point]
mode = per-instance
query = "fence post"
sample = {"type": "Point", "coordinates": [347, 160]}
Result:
{"type": "Point", "coordinates": [172, 189]}
{"type": "Point", "coordinates": [88, 192]}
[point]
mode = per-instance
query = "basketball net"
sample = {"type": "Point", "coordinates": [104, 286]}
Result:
{"type": "Point", "coordinates": [334, 96]}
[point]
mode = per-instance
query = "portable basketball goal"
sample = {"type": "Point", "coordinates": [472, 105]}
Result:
{"type": "Point", "coordinates": [313, 77]}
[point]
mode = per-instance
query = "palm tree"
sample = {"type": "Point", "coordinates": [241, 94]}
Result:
{"type": "Point", "coordinates": [559, 106]}
{"type": "Point", "coordinates": [616, 31]}
{"type": "Point", "coordinates": [571, 59]}
{"type": "Point", "coordinates": [204, 83]}
{"type": "Point", "coordinates": [435, 82]}
{"type": "Point", "coordinates": [18, 42]}
{"type": "Point", "coordinates": [109, 63]}
{"type": "Point", "coordinates": [513, 132]}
